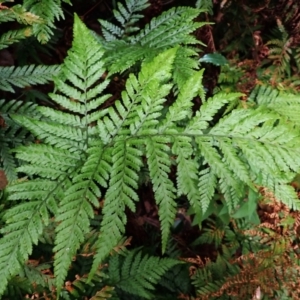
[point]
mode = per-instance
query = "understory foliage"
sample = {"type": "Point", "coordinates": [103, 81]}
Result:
{"type": "Point", "coordinates": [72, 171]}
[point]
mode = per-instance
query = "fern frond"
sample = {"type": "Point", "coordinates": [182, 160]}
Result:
{"type": "Point", "coordinates": [127, 16]}
{"type": "Point", "coordinates": [121, 192]}
{"type": "Point", "coordinates": [148, 92]}
{"type": "Point", "coordinates": [85, 152]}
{"type": "Point", "coordinates": [235, 163]}
{"type": "Point", "coordinates": [76, 206]}
{"type": "Point", "coordinates": [201, 121]}
{"type": "Point", "coordinates": [159, 33]}
{"type": "Point", "coordinates": [26, 76]}
{"type": "Point", "coordinates": [170, 29]}
{"type": "Point", "coordinates": [187, 167]}
{"type": "Point", "coordinates": [12, 134]}
{"type": "Point", "coordinates": [229, 185]}
{"type": "Point", "coordinates": [280, 51]}
{"type": "Point", "coordinates": [271, 145]}
{"type": "Point", "coordinates": [181, 109]}
{"type": "Point", "coordinates": [205, 5]}
{"type": "Point", "coordinates": [137, 274]}
{"type": "Point", "coordinates": [284, 104]}
{"type": "Point", "coordinates": [164, 190]}
{"type": "Point", "coordinates": [35, 274]}
{"type": "Point", "coordinates": [110, 31]}
{"type": "Point", "coordinates": [67, 154]}
{"type": "Point", "coordinates": [185, 65]}
{"type": "Point", "coordinates": [207, 185]}
{"type": "Point", "coordinates": [13, 36]}
{"type": "Point", "coordinates": [125, 55]}
{"type": "Point", "coordinates": [24, 224]}
{"type": "Point", "coordinates": [19, 14]}
{"type": "Point", "coordinates": [48, 11]}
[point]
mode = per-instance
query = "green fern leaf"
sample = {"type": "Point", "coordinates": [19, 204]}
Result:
{"type": "Point", "coordinates": [127, 16]}
{"type": "Point", "coordinates": [159, 33]}
{"type": "Point", "coordinates": [201, 121]}
{"type": "Point", "coordinates": [26, 76]}
{"type": "Point", "coordinates": [155, 37]}
{"type": "Point", "coordinates": [269, 152]}
{"type": "Point", "coordinates": [142, 105]}
{"type": "Point", "coordinates": [181, 109]}
{"type": "Point", "coordinates": [12, 134]}
{"type": "Point", "coordinates": [18, 13]}
{"type": "Point", "coordinates": [187, 169]}
{"type": "Point", "coordinates": [207, 185]}
{"type": "Point", "coordinates": [137, 274]}
{"type": "Point", "coordinates": [48, 11]}
{"type": "Point", "coordinates": [85, 151]}
{"type": "Point", "coordinates": [284, 104]}
{"type": "Point", "coordinates": [76, 206]}
{"type": "Point", "coordinates": [185, 66]}
{"type": "Point", "coordinates": [159, 167]}
{"type": "Point", "coordinates": [121, 192]}
{"type": "Point", "coordinates": [205, 5]}
{"type": "Point", "coordinates": [14, 36]}
{"type": "Point", "coordinates": [67, 154]}
{"type": "Point", "coordinates": [24, 225]}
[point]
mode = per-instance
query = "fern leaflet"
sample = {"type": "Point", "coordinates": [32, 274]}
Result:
{"type": "Point", "coordinates": [137, 274]}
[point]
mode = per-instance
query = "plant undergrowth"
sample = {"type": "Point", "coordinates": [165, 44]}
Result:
{"type": "Point", "coordinates": [156, 158]}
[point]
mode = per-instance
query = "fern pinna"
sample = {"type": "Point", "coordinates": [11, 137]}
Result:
{"type": "Point", "coordinates": [126, 45]}
{"type": "Point", "coordinates": [11, 133]}
{"type": "Point", "coordinates": [87, 154]}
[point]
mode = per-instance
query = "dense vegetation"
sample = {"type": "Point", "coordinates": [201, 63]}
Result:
{"type": "Point", "coordinates": [149, 149]}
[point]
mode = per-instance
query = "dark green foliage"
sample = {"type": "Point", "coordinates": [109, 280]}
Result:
{"type": "Point", "coordinates": [127, 16]}
{"type": "Point", "coordinates": [137, 274]}
{"type": "Point", "coordinates": [76, 168]}
{"type": "Point", "coordinates": [123, 49]}
{"type": "Point", "coordinates": [48, 11]}
{"type": "Point", "coordinates": [12, 134]}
